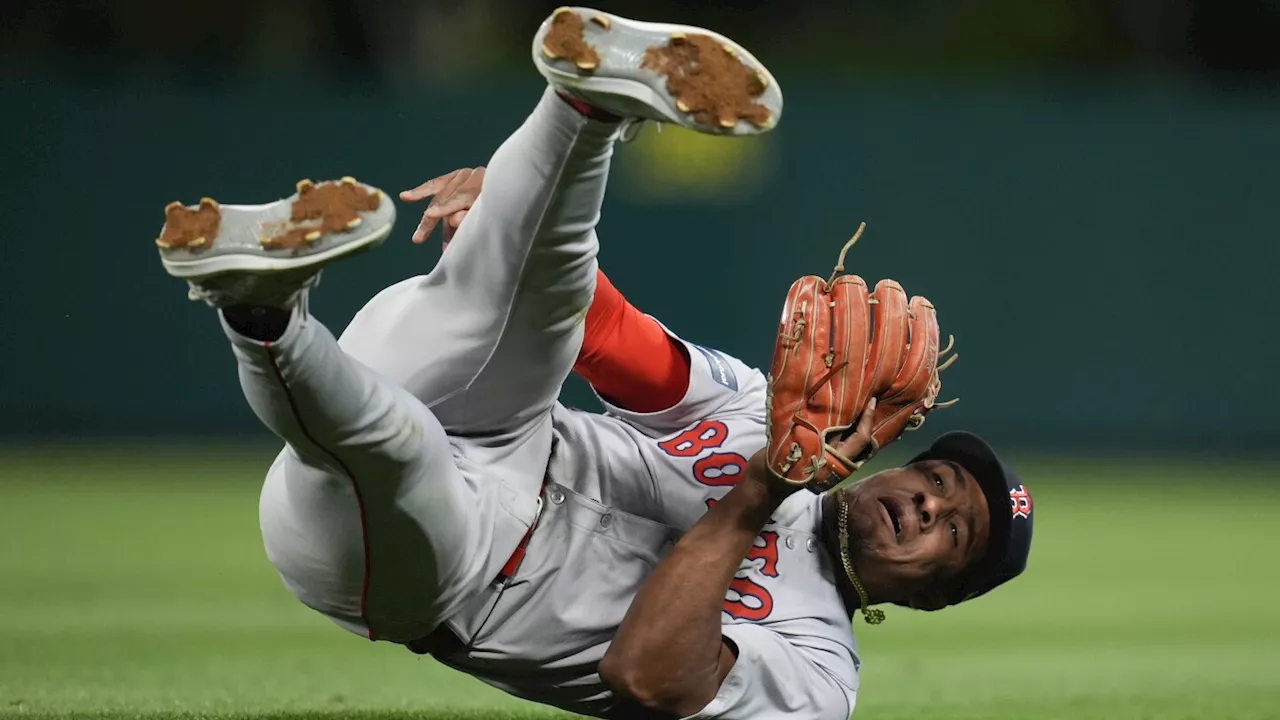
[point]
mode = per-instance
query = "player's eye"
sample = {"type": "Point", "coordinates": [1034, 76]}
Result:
{"type": "Point", "coordinates": [937, 480]}
{"type": "Point", "coordinates": [955, 533]}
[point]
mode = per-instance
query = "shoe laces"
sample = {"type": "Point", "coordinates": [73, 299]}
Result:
{"type": "Point", "coordinates": [195, 293]}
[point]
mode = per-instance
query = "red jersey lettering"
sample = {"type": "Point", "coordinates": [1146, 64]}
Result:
{"type": "Point", "coordinates": [690, 443]}
{"type": "Point", "coordinates": [767, 552]}
{"type": "Point", "coordinates": [758, 609]}
{"type": "Point", "coordinates": [719, 469]}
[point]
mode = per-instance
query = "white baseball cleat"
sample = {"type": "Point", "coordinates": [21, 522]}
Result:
{"type": "Point", "coordinates": [677, 74]}
{"type": "Point", "coordinates": [267, 254]}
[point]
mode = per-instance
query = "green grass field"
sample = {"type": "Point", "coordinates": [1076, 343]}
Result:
{"type": "Point", "coordinates": [133, 584]}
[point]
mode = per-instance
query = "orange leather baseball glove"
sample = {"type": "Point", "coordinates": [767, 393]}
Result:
{"type": "Point", "coordinates": [838, 347]}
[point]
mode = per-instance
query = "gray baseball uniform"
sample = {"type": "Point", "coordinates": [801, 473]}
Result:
{"type": "Point", "coordinates": [624, 486]}
{"type": "Point", "coordinates": [423, 446]}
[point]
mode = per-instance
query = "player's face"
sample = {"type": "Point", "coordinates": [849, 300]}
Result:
{"type": "Point", "coordinates": [915, 528]}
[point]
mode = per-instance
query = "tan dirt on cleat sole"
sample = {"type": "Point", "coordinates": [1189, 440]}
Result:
{"type": "Point", "coordinates": [190, 229]}
{"type": "Point", "coordinates": [709, 81]}
{"type": "Point", "coordinates": [565, 41]}
{"type": "Point", "coordinates": [324, 208]}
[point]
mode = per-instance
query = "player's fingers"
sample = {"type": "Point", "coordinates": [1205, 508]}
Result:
{"type": "Point", "coordinates": [471, 188]}
{"type": "Point", "coordinates": [425, 226]}
{"type": "Point", "coordinates": [426, 189]}
{"type": "Point", "coordinates": [461, 195]}
{"type": "Point", "coordinates": [867, 422]}
{"type": "Point", "coordinates": [452, 197]}
{"type": "Point", "coordinates": [857, 443]}
{"type": "Point", "coordinates": [438, 208]}
{"type": "Point", "coordinates": [451, 225]}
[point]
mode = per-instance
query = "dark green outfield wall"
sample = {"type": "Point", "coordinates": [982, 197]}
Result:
{"type": "Point", "coordinates": [1107, 262]}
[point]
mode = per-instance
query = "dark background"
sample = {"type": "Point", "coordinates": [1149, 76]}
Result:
{"type": "Point", "coordinates": [1087, 190]}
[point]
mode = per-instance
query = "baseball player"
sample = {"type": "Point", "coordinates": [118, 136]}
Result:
{"type": "Point", "coordinates": [682, 554]}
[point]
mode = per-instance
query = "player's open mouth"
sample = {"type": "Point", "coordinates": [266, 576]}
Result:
{"type": "Point", "coordinates": [893, 514]}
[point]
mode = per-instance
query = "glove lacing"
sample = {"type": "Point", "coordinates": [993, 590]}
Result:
{"type": "Point", "coordinates": [844, 251]}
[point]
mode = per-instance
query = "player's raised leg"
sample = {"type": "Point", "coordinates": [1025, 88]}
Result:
{"type": "Point", "coordinates": [364, 513]}
{"type": "Point", "coordinates": [488, 337]}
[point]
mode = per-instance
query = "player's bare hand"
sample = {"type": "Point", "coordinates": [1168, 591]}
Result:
{"type": "Point", "coordinates": [853, 445]}
{"type": "Point", "coordinates": [452, 196]}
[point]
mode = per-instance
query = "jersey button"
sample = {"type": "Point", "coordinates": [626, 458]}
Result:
{"type": "Point", "coordinates": [811, 545]}
{"type": "Point", "coordinates": [606, 520]}
{"type": "Point", "coordinates": [556, 495]}
{"type": "Point", "coordinates": [791, 542]}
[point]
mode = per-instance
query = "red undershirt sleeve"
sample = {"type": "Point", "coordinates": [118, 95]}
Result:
{"type": "Point", "coordinates": [628, 357]}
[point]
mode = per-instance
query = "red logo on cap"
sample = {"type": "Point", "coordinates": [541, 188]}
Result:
{"type": "Point", "coordinates": [1021, 501]}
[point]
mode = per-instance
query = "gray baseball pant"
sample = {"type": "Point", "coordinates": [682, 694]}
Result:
{"type": "Point", "coordinates": [416, 445]}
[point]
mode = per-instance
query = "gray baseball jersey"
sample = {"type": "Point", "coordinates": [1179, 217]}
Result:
{"type": "Point", "coordinates": [623, 487]}
{"type": "Point", "coordinates": [418, 444]}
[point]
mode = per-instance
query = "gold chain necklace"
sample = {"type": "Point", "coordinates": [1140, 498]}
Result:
{"type": "Point", "coordinates": [874, 616]}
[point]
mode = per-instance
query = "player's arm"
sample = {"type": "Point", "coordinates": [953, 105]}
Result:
{"type": "Point", "coordinates": [626, 356]}
{"type": "Point", "coordinates": [670, 654]}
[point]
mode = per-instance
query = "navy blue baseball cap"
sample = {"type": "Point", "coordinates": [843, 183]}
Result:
{"type": "Point", "coordinates": [1009, 503]}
